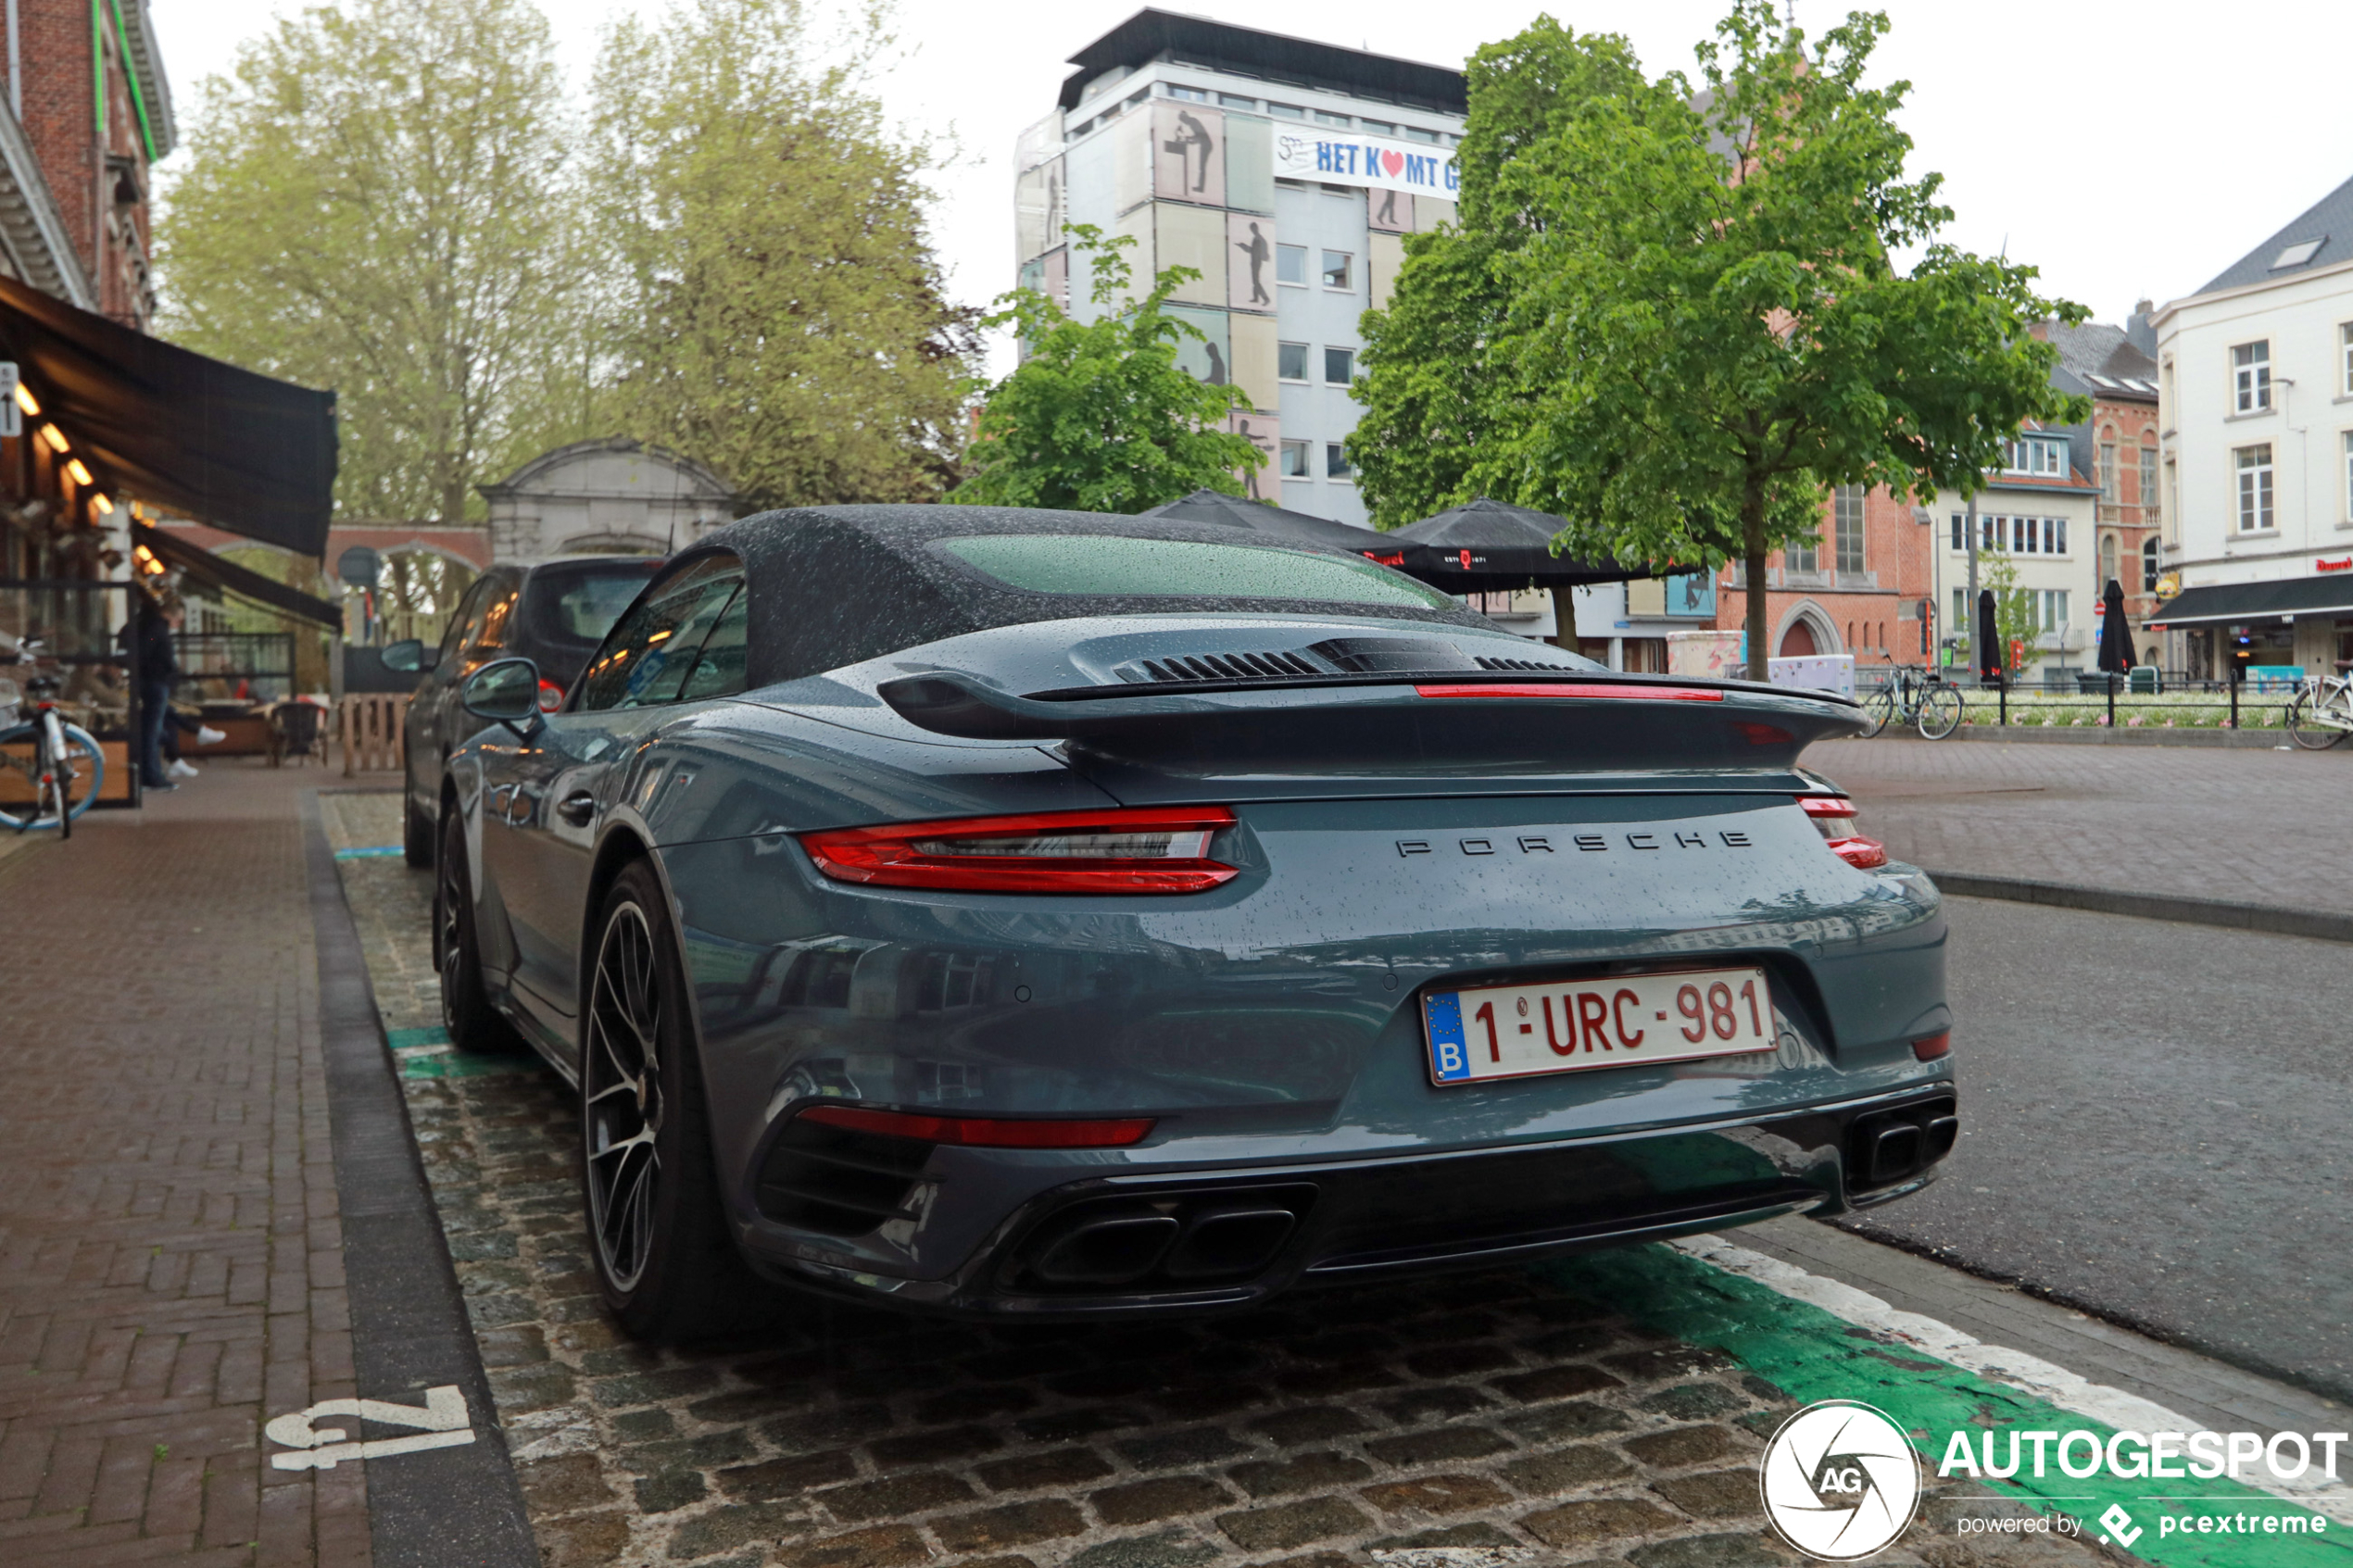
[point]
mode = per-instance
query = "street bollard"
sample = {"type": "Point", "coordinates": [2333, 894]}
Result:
{"type": "Point", "coordinates": [2234, 704]}
{"type": "Point", "coordinates": [2002, 698]}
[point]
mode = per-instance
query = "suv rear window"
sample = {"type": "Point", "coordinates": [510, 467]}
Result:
{"type": "Point", "coordinates": [575, 603]}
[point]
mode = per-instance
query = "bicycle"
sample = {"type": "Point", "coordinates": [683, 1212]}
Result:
{"type": "Point", "coordinates": [1915, 697]}
{"type": "Point", "coordinates": [54, 758]}
{"type": "Point", "coordinates": [2321, 713]}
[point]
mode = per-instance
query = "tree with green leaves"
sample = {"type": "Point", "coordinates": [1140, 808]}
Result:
{"type": "Point", "coordinates": [769, 299]}
{"type": "Point", "coordinates": [1701, 327]}
{"type": "Point", "coordinates": [1099, 416]}
{"type": "Point", "coordinates": [374, 202]}
{"type": "Point", "coordinates": [2016, 621]}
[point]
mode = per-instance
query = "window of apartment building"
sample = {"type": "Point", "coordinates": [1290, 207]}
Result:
{"type": "Point", "coordinates": [1236, 101]}
{"type": "Point", "coordinates": [1377, 127]}
{"type": "Point", "coordinates": [1191, 95]}
{"type": "Point", "coordinates": [2150, 510]}
{"type": "Point", "coordinates": [2344, 360]}
{"type": "Point", "coordinates": [1340, 366]}
{"type": "Point", "coordinates": [1959, 625]}
{"type": "Point", "coordinates": [1339, 269]}
{"type": "Point", "coordinates": [2252, 377]}
{"type": "Point", "coordinates": [1294, 459]}
{"type": "Point", "coordinates": [1960, 532]}
{"type": "Point", "coordinates": [1847, 512]}
{"type": "Point", "coordinates": [2054, 609]}
{"type": "Point", "coordinates": [1325, 116]}
{"type": "Point", "coordinates": [1336, 460]}
{"type": "Point", "coordinates": [2148, 564]}
{"type": "Point", "coordinates": [2108, 561]}
{"type": "Point", "coordinates": [2348, 475]}
{"type": "Point", "coordinates": [1291, 265]}
{"type": "Point", "coordinates": [2255, 488]}
{"type": "Point", "coordinates": [2055, 535]}
{"type": "Point", "coordinates": [1806, 558]}
{"type": "Point", "coordinates": [1290, 361]}
{"type": "Point", "coordinates": [1285, 111]}
{"type": "Point", "coordinates": [2109, 483]}
{"type": "Point", "coordinates": [2040, 455]}
{"type": "Point", "coordinates": [1415, 133]}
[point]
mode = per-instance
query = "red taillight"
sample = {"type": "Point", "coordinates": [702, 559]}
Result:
{"type": "Point", "coordinates": [1835, 817]}
{"type": "Point", "coordinates": [1149, 849]}
{"type": "Point", "coordinates": [1934, 1047]}
{"type": "Point", "coordinates": [985, 1131]}
{"type": "Point", "coordinates": [1576, 688]}
{"type": "Point", "coordinates": [552, 697]}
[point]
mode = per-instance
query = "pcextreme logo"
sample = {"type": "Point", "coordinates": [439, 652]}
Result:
{"type": "Point", "coordinates": [1840, 1481]}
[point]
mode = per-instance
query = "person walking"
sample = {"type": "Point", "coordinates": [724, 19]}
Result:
{"type": "Point", "coordinates": [1257, 251]}
{"type": "Point", "coordinates": [159, 669]}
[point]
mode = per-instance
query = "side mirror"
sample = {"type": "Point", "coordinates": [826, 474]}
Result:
{"type": "Point", "coordinates": [506, 692]}
{"type": "Point", "coordinates": [408, 656]}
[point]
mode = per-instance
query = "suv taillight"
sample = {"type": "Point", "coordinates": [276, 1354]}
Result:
{"type": "Point", "coordinates": [1833, 817]}
{"type": "Point", "coordinates": [1148, 849]}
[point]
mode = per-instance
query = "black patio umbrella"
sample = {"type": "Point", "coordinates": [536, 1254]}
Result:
{"type": "Point", "coordinates": [1988, 638]}
{"type": "Point", "coordinates": [1485, 547]}
{"type": "Point", "coordinates": [1233, 511]}
{"type": "Point", "coordinates": [2115, 638]}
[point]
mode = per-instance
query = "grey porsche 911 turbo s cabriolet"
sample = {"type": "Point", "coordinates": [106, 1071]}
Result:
{"type": "Point", "coordinates": [1014, 913]}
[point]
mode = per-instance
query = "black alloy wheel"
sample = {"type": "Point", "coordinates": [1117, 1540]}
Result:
{"type": "Point", "coordinates": [666, 1263]}
{"type": "Point", "coordinates": [474, 1024]}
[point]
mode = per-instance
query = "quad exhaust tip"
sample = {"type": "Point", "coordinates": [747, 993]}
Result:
{"type": "Point", "coordinates": [1179, 1241]}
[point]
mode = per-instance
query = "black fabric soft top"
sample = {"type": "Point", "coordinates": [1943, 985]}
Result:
{"type": "Point", "coordinates": [837, 585]}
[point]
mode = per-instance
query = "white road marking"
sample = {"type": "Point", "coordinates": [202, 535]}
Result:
{"type": "Point", "coordinates": [441, 1423]}
{"type": "Point", "coordinates": [2030, 1374]}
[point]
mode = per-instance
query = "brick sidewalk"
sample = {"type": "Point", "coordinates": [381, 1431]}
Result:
{"type": "Point", "coordinates": [170, 1260]}
{"type": "Point", "coordinates": [2261, 827]}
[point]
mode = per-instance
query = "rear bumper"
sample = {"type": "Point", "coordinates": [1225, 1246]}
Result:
{"type": "Point", "coordinates": [1179, 1243]}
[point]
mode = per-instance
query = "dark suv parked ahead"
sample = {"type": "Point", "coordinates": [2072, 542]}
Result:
{"type": "Point", "coordinates": [553, 614]}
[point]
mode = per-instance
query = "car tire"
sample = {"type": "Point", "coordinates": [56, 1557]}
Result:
{"type": "Point", "coordinates": [474, 1023]}
{"type": "Point", "coordinates": [416, 832]}
{"type": "Point", "coordinates": [658, 1234]}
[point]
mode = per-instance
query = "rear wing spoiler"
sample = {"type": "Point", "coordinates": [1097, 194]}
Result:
{"type": "Point", "coordinates": [1451, 721]}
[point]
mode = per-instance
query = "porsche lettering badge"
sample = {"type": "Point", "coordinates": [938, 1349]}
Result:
{"type": "Point", "coordinates": [1573, 843]}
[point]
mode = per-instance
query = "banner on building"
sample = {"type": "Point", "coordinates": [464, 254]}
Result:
{"type": "Point", "coordinates": [1335, 158]}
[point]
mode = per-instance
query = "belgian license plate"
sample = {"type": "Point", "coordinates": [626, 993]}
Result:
{"type": "Point", "coordinates": [1622, 1021]}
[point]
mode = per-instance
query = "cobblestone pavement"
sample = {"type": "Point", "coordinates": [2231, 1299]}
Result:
{"type": "Point", "coordinates": [1463, 1423]}
{"type": "Point", "coordinates": [170, 1258]}
{"type": "Point", "coordinates": [2264, 827]}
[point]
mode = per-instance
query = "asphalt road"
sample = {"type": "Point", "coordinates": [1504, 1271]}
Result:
{"type": "Point", "coordinates": [2156, 1120]}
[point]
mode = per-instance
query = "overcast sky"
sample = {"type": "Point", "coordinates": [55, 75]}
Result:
{"type": "Point", "coordinates": [2126, 151]}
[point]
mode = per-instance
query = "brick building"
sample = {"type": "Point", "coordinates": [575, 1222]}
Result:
{"type": "Point", "coordinates": [2115, 367]}
{"type": "Point", "coordinates": [1859, 590]}
{"type": "Point", "coordinates": [95, 129]}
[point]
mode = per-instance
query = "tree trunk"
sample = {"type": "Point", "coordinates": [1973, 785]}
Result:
{"type": "Point", "coordinates": [1753, 559]}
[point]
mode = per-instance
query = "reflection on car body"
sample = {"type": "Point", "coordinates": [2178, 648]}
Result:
{"type": "Point", "coordinates": [1003, 912]}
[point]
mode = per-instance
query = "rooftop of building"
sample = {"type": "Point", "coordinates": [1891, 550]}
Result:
{"type": "Point", "coordinates": [2322, 235]}
{"type": "Point", "coordinates": [2099, 360]}
{"type": "Point", "coordinates": [1150, 35]}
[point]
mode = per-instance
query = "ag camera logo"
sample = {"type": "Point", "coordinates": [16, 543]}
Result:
{"type": "Point", "coordinates": [1840, 1481]}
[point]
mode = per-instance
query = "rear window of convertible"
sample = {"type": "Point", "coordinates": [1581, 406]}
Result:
{"type": "Point", "coordinates": [1110, 565]}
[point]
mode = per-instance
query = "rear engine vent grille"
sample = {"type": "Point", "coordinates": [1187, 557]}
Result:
{"type": "Point", "coordinates": [1227, 667]}
{"type": "Point", "coordinates": [839, 1182]}
{"type": "Point", "coordinates": [1485, 662]}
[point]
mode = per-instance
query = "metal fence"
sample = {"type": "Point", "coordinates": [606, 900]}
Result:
{"type": "Point", "coordinates": [2161, 699]}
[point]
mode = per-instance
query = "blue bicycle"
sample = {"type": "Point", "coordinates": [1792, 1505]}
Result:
{"type": "Point", "coordinates": [60, 764]}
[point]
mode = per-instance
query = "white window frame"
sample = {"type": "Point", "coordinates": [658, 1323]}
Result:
{"type": "Point", "coordinates": [2055, 537]}
{"type": "Point", "coordinates": [1337, 452]}
{"type": "Point", "coordinates": [2252, 377]}
{"type": "Point", "coordinates": [2348, 439]}
{"type": "Point", "coordinates": [1304, 350]}
{"type": "Point", "coordinates": [1301, 451]}
{"type": "Point", "coordinates": [2253, 485]}
{"type": "Point", "coordinates": [1843, 497]}
{"type": "Point", "coordinates": [1281, 251]}
{"type": "Point", "coordinates": [2344, 360]}
{"type": "Point", "coordinates": [1347, 269]}
{"type": "Point", "coordinates": [1330, 349]}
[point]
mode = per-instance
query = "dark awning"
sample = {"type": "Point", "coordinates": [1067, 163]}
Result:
{"type": "Point", "coordinates": [1216, 506]}
{"type": "Point", "coordinates": [2230, 603]}
{"type": "Point", "coordinates": [228, 576]}
{"type": "Point", "coordinates": [1489, 546]}
{"type": "Point", "coordinates": [193, 435]}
